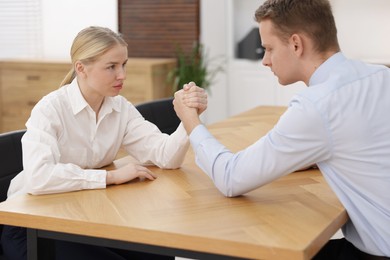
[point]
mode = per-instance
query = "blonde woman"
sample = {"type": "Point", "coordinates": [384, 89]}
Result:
{"type": "Point", "coordinates": [79, 128]}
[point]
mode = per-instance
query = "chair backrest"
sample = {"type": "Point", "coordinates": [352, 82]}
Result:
{"type": "Point", "coordinates": [161, 113]}
{"type": "Point", "coordinates": [10, 159]}
{"type": "Point", "coordinates": [11, 163]}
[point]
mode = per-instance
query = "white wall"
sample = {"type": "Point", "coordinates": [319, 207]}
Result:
{"type": "Point", "coordinates": [212, 20]}
{"type": "Point", "coordinates": [363, 25]}
{"type": "Point", "coordinates": [62, 20]}
{"type": "Point", "coordinates": [363, 29]}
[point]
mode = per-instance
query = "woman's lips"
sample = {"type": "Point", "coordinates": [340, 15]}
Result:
{"type": "Point", "coordinates": [119, 86]}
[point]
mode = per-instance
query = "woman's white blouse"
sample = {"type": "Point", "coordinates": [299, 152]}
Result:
{"type": "Point", "coordinates": [65, 145]}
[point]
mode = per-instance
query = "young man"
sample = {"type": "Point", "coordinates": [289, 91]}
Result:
{"type": "Point", "coordinates": [339, 122]}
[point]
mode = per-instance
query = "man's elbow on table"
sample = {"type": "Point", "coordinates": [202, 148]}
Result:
{"type": "Point", "coordinates": [228, 191]}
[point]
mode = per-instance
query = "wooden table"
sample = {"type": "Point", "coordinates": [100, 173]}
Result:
{"type": "Point", "coordinates": [182, 213]}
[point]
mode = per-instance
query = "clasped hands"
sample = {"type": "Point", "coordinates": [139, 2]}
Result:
{"type": "Point", "coordinates": [189, 103]}
{"type": "Point", "coordinates": [190, 99]}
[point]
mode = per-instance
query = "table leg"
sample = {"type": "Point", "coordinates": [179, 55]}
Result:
{"type": "Point", "coordinates": [39, 247]}
{"type": "Point", "coordinates": [32, 244]}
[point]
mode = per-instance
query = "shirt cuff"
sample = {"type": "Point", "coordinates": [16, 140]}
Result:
{"type": "Point", "coordinates": [198, 134]}
{"type": "Point", "coordinates": [95, 179]}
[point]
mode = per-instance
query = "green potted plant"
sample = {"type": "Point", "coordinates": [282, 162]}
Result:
{"type": "Point", "coordinates": [193, 66]}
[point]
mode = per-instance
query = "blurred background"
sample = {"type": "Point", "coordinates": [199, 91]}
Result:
{"type": "Point", "coordinates": [43, 30]}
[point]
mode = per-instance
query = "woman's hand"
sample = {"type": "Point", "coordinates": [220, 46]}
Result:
{"type": "Point", "coordinates": [127, 173]}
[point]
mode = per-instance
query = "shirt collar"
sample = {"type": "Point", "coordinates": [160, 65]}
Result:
{"type": "Point", "coordinates": [323, 71]}
{"type": "Point", "coordinates": [78, 103]}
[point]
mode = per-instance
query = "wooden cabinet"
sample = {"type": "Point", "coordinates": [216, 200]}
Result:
{"type": "Point", "coordinates": [24, 83]}
{"type": "Point", "coordinates": [146, 79]}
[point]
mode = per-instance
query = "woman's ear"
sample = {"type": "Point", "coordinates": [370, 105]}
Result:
{"type": "Point", "coordinates": [79, 68]}
{"type": "Point", "coordinates": [296, 43]}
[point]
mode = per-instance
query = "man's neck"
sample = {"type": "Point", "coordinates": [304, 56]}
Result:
{"type": "Point", "coordinates": [315, 62]}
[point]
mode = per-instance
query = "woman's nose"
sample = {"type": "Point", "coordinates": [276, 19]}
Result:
{"type": "Point", "coordinates": [121, 73]}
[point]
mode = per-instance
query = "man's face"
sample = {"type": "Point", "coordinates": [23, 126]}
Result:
{"type": "Point", "coordinates": [279, 55]}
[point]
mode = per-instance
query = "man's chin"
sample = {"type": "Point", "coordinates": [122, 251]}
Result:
{"type": "Point", "coordinates": [283, 83]}
{"type": "Point", "coordinates": [286, 82]}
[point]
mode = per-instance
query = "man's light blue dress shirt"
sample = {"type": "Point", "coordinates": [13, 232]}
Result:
{"type": "Point", "coordinates": [341, 122]}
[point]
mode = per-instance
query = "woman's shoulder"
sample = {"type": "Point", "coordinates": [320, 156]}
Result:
{"type": "Point", "coordinates": [55, 94]}
{"type": "Point", "coordinates": [52, 99]}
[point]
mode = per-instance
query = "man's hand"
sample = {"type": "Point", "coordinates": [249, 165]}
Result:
{"type": "Point", "coordinates": [128, 173]}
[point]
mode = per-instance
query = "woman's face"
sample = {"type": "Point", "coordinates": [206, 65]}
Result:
{"type": "Point", "coordinates": [106, 75]}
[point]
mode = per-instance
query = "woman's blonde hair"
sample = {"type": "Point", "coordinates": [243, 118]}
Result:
{"type": "Point", "coordinates": [89, 44]}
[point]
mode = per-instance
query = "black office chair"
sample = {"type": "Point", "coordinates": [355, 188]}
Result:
{"type": "Point", "coordinates": [161, 113]}
{"type": "Point", "coordinates": [10, 161]}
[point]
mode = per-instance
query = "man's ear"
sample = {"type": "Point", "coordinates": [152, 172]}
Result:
{"type": "Point", "coordinates": [296, 43]}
